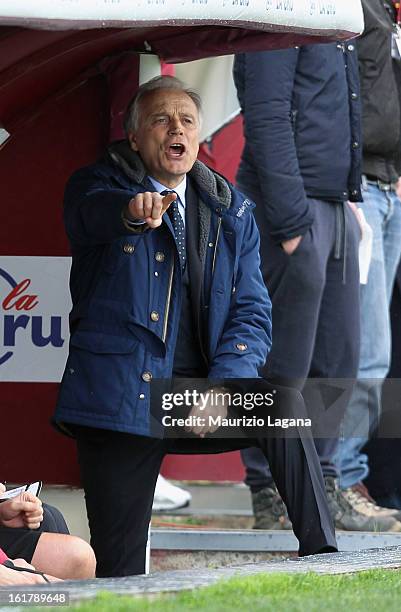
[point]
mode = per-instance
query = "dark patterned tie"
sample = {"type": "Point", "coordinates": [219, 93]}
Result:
{"type": "Point", "coordinates": [179, 228]}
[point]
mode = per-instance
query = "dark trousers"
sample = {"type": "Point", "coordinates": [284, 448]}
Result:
{"type": "Point", "coordinates": [315, 312]}
{"type": "Point", "coordinates": [119, 473]}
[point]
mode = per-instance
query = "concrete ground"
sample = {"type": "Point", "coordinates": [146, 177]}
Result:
{"type": "Point", "coordinates": [365, 551]}
{"type": "Point", "coordinates": [215, 526]}
{"type": "Point", "coordinates": [210, 500]}
{"type": "Point", "coordinates": [173, 581]}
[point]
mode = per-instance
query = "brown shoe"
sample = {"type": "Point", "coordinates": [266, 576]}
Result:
{"type": "Point", "coordinates": [359, 498]}
{"type": "Point", "coordinates": [363, 490]}
{"type": "Point", "coordinates": [345, 508]}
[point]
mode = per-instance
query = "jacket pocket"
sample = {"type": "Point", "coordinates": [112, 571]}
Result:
{"type": "Point", "coordinates": [100, 342]}
{"type": "Point", "coordinates": [96, 373]}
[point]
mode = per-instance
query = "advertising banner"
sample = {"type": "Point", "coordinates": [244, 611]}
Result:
{"type": "Point", "coordinates": [34, 308]}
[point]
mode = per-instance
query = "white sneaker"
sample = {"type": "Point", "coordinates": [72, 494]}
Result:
{"type": "Point", "coordinates": [168, 496]}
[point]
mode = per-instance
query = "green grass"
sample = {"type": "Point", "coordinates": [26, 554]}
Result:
{"type": "Point", "coordinates": [376, 591]}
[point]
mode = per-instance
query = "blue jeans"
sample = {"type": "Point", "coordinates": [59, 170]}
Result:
{"type": "Point", "coordinates": [382, 210]}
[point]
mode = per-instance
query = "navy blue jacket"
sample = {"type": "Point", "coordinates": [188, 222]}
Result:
{"type": "Point", "coordinates": [126, 291]}
{"type": "Point", "coordinates": [302, 131]}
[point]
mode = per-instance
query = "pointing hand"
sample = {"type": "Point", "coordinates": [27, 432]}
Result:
{"type": "Point", "coordinates": [150, 207]}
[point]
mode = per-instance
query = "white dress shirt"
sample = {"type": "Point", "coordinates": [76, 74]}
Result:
{"type": "Point", "coordinates": [179, 190]}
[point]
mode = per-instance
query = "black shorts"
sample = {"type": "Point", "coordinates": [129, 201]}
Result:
{"type": "Point", "coordinates": [21, 543]}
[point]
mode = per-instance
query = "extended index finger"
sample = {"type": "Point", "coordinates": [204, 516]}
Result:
{"type": "Point", "coordinates": [168, 198]}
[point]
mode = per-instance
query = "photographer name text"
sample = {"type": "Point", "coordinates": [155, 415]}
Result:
{"type": "Point", "coordinates": [219, 421]}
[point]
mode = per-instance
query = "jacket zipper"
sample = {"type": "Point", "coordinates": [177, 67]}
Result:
{"type": "Point", "coordinates": [206, 360]}
{"type": "Point", "coordinates": [213, 265]}
{"type": "Point", "coordinates": [215, 245]}
{"type": "Point", "coordinates": [167, 307]}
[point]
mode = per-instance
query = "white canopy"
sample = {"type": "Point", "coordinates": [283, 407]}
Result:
{"type": "Point", "coordinates": [315, 17]}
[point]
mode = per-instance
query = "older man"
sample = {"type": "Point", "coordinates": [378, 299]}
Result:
{"type": "Point", "coordinates": [163, 284]}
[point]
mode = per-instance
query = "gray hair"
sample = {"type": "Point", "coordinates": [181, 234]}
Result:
{"type": "Point", "coordinates": [131, 119]}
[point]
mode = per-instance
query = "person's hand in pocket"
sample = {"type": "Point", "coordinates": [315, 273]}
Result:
{"type": "Point", "coordinates": [291, 245]}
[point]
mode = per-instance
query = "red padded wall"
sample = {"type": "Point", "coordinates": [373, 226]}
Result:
{"type": "Point", "coordinates": [67, 131]}
{"type": "Point", "coordinates": [64, 133]}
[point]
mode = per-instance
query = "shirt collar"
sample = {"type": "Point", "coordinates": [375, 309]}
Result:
{"type": "Point", "coordinates": [179, 190]}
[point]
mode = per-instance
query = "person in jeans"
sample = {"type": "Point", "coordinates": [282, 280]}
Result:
{"type": "Point", "coordinates": [301, 165]}
{"type": "Point", "coordinates": [380, 77]}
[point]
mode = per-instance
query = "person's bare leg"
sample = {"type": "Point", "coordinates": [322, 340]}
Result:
{"type": "Point", "coordinates": [64, 556]}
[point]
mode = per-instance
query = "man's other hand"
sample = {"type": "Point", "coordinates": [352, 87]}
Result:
{"type": "Point", "coordinates": [22, 511]}
{"type": "Point", "coordinates": [289, 246]}
{"type": "Point", "coordinates": [150, 207]}
{"type": "Point", "coordinates": [216, 406]}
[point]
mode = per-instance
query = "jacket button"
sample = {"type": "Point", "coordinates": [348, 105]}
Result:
{"type": "Point", "coordinates": [128, 248]}
{"type": "Point", "coordinates": [141, 396]}
{"type": "Point", "coordinates": [241, 346]}
{"type": "Point", "coordinates": [355, 145]}
{"type": "Point", "coordinates": [350, 47]}
{"type": "Point", "coordinates": [218, 210]}
{"type": "Point", "coordinates": [354, 96]}
{"type": "Point", "coordinates": [211, 244]}
{"type": "Point", "coordinates": [355, 192]}
{"type": "Point", "coordinates": [154, 316]}
{"type": "Point", "coordinates": [147, 376]}
{"type": "Point", "coordinates": [159, 256]}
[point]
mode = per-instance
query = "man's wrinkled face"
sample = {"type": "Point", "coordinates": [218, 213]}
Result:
{"type": "Point", "coordinates": [167, 137]}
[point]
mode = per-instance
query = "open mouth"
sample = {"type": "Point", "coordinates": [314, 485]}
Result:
{"type": "Point", "coordinates": [177, 149]}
